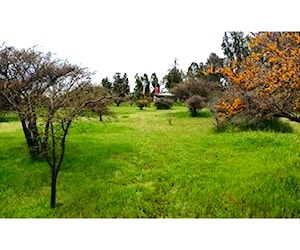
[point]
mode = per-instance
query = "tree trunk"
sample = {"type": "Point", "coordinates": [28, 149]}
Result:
{"type": "Point", "coordinates": [100, 117]}
{"type": "Point", "coordinates": [194, 112]}
{"type": "Point", "coordinates": [53, 188]}
{"type": "Point", "coordinates": [31, 136]}
{"type": "Point", "coordinates": [26, 132]}
{"type": "Point", "coordinates": [35, 135]}
{"type": "Point", "coordinates": [53, 163]}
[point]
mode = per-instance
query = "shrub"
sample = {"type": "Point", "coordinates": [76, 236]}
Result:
{"type": "Point", "coordinates": [246, 124]}
{"type": "Point", "coordinates": [163, 103]}
{"type": "Point", "coordinates": [8, 116]}
{"type": "Point", "coordinates": [195, 103]}
{"type": "Point", "coordinates": [142, 103]}
{"type": "Point", "coordinates": [118, 100]}
{"type": "Point", "coordinates": [207, 89]}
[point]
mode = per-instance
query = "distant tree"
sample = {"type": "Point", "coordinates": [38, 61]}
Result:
{"type": "Point", "coordinates": [174, 76]}
{"type": "Point", "coordinates": [214, 62]}
{"type": "Point", "coordinates": [106, 83]}
{"type": "Point", "coordinates": [235, 45]}
{"type": "Point", "coordinates": [138, 83]}
{"type": "Point", "coordinates": [191, 87]}
{"type": "Point", "coordinates": [142, 85]}
{"type": "Point", "coordinates": [193, 71]}
{"type": "Point", "coordinates": [121, 88]}
{"type": "Point", "coordinates": [102, 107]}
{"type": "Point", "coordinates": [146, 85]}
{"type": "Point", "coordinates": [47, 94]}
{"type": "Point", "coordinates": [138, 89]}
{"type": "Point", "coordinates": [196, 71]}
{"type": "Point", "coordinates": [154, 83]}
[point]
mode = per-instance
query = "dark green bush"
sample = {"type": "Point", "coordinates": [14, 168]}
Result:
{"type": "Point", "coordinates": [8, 116]}
{"type": "Point", "coordinates": [271, 125]}
{"type": "Point", "coordinates": [163, 103]}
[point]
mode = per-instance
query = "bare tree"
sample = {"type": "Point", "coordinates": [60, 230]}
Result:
{"type": "Point", "coordinates": [48, 94]}
{"type": "Point", "coordinates": [207, 89]}
{"type": "Point", "coordinates": [99, 108]}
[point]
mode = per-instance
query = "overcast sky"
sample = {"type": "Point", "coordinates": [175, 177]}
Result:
{"type": "Point", "coordinates": [131, 36]}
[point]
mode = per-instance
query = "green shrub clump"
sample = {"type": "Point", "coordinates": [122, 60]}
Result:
{"type": "Point", "coordinates": [163, 103]}
{"type": "Point", "coordinates": [247, 124]}
{"type": "Point", "coordinates": [8, 116]}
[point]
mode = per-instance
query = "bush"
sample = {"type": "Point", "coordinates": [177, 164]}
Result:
{"type": "Point", "coordinates": [8, 116]}
{"type": "Point", "coordinates": [163, 103]}
{"type": "Point", "coordinates": [246, 124]}
{"type": "Point", "coordinates": [195, 103]}
{"type": "Point", "coordinates": [200, 87]}
{"type": "Point", "coordinates": [142, 103]}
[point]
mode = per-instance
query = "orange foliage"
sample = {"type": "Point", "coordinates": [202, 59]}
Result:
{"type": "Point", "coordinates": [226, 109]}
{"type": "Point", "coordinates": [271, 74]}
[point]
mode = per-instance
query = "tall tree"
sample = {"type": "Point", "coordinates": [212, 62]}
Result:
{"type": "Point", "coordinates": [138, 83]}
{"type": "Point", "coordinates": [121, 88]}
{"type": "Point", "coordinates": [146, 85]}
{"type": "Point", "coordinates": [193, 71]}
{"type": "Point", "coordinates": [106, 83]}
{"type": "Point", "coordinates": [174, 76]}
{"type": "Point", "coordinates": [154, 83]}
{"type": "Point", "coordinates": [235, 45]}
{"type": "Point", "coordinates": [214, 62]}
{"type": "Point", "coordinates": [142, 85]}
{"type": "Point", "coordinates": [138, 89]}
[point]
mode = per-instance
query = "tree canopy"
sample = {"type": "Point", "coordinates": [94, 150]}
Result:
{"type": "Point", "coordinates": [174, 76]}
{"type": "Point", "coordinates": [120, 88]}
{"type": "Point", "coordinates": [265, 84]}
{"type": "Point", "coordinates": [235, 45]}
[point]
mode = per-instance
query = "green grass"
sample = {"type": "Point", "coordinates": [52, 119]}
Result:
{"type": "Point", "coordinates": [141, 165]}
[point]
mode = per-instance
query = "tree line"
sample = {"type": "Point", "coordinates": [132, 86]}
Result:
{"type": "Point", "coordinates": [256, 81]}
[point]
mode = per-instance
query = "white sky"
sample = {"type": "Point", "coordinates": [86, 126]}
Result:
{"type": "Point", "coordinates": [136, 36]}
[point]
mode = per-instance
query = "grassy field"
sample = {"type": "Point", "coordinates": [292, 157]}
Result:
{"type": "Point", "coordinates": [154, 164]}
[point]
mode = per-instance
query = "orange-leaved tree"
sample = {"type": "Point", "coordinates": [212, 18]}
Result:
{"type": "Point", "coordinates": [266, 84]}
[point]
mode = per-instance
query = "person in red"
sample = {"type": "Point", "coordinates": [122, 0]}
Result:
{"type": "Point", "coordinates": [156, 90]}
